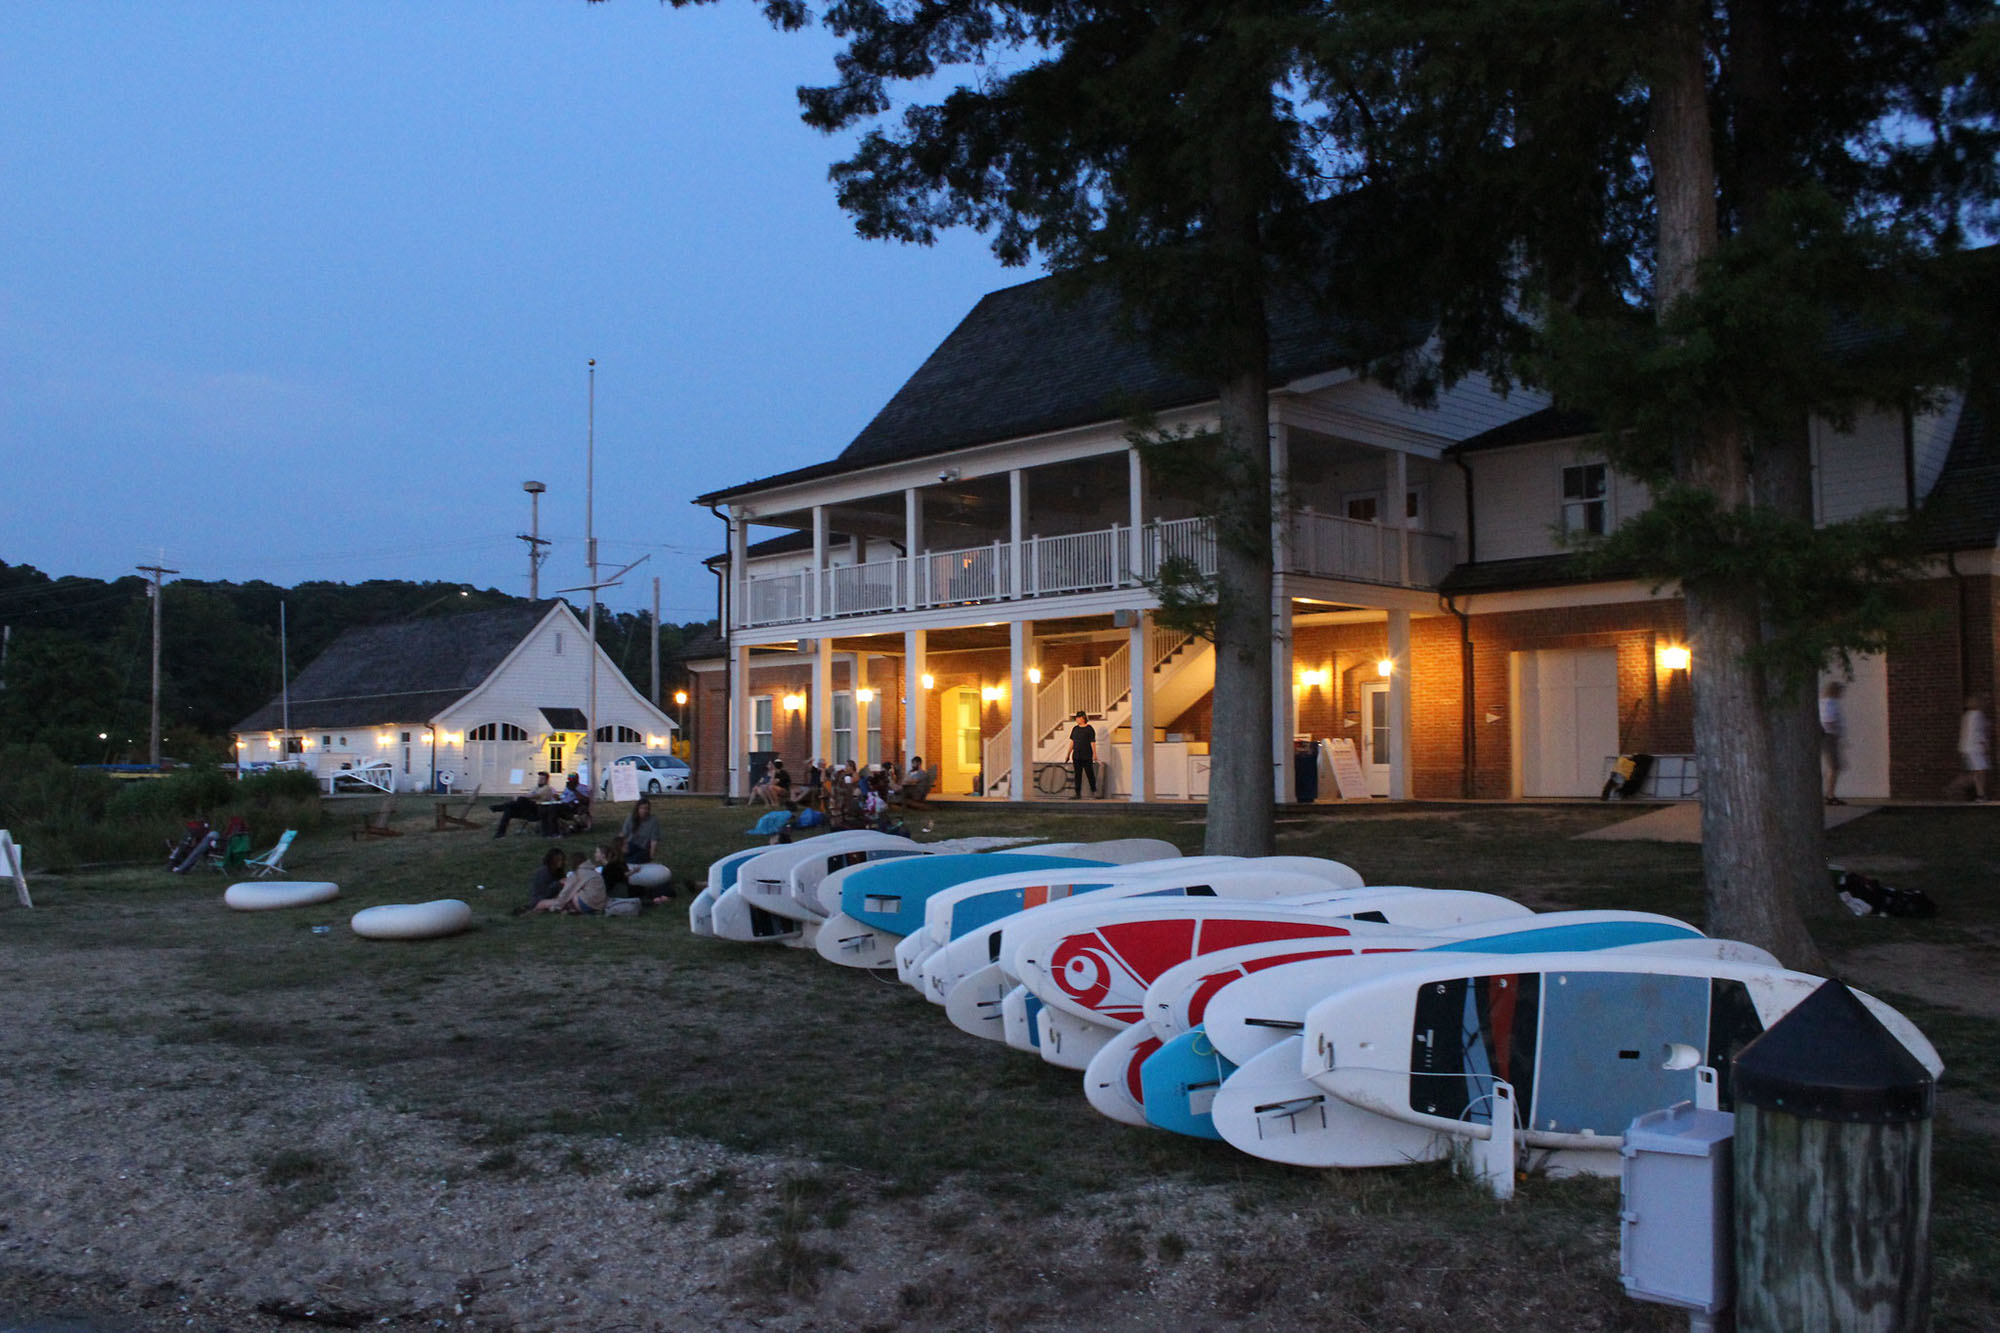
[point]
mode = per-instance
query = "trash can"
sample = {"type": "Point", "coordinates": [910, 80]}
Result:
{"type": "Point", "coordinates": [1305, 771]}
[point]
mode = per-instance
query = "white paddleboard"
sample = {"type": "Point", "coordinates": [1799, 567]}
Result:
{"type": "Point", "coordinates": [1069, 1042]}
{"type": "Point", "coordinates": [843, 940]}
{"type": "Point", "coordinates": [1097, 966]}
{"type": "Point", "coordinates": [1268, 1109]}
{"type": "Point", "coordinates": [1111, 1080]}
{"type": "Point", "coordinates": [1588, 1040]}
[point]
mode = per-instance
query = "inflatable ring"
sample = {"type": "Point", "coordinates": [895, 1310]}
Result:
{"type": "Point", "coordinates": [652, 875]}
{"type": "Point", "coordinates": [283, 893]}
{"type": "Point", "coordinates": [412, 921]}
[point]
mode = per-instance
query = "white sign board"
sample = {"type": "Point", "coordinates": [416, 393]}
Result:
{"type": "Point", "coordinates": [1347, 774]}
{"type": "Point", "coordinates": [624, 782]}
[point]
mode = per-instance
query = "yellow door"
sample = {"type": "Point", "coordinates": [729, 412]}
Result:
{"type": "Point", "coordinates": [959, 758]}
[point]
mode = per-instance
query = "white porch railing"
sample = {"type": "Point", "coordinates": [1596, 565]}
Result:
{"type": "Point", "coordinates": [971, 574]}
{"type": "Point", "coordinates": [1347, 548]}
{"type": "Point", "coordinates": [855, 590]}
{"type": "Point", "coordinates": [1077, 562]}
{"type": "Point", "coordinates": [776, 600]}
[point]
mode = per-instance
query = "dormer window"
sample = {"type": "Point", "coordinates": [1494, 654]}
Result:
{"type": "Point", "coordinates": [1586, 488]}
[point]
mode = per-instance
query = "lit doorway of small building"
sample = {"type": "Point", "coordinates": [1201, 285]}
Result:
{"type": "Point", "coordinates": [959, 758]}
{"type": "Point", "coordinates": [558, 748]}
{"type": "Point", "coordinates": [1375, 736]}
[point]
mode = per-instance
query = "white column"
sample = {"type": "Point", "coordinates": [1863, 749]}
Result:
{"type": "Point", "coordinates": [739, 571]}
{"type": "Point", "coordinates": [821, 729]}
{"type": "Point", "coordinates": [1281, 511]}
{"type": "Point", "coordinates": [1399, 706]}
{"type": "Point", "coordinates": [913, 544]}
{"type": "Point", "coordinates": [738, 737]}
{"type": "Point", "coordinates": [1284, 696]}
{"type": "Point", "coordinates": [1017, 522]}
{"type": "Point", "coordinates": [1400, 478]}
{"type": "Point", "coordinates": [816, 598]}
{"type": "Point", "coordinates": [857, 675]}
{"type": "Point", "coordinates": [1019, 711]}
{"type": "Point", "coordinates": [1142, 709]}
{"type": "Point", "coordinates": [1136, 472]}
{"type": "Point", "coordinates": [915, 706]}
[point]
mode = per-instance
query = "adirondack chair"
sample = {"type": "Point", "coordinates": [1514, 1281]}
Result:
{"type": "Point", "coordinates": [447, 821]}
{"type": "Point", "coordinates": [377, 824]}
{"type": "Point", "coordinates": [273, 861]}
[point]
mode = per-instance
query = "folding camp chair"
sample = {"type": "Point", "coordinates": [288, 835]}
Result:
{"type": "Point", "coordinates": [233, 857]}
{"type": "Point", "coordinates": [273, 861]}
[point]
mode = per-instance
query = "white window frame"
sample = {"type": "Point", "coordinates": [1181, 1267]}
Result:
{"type": "Point", "coordinates": [767, 705]}
{"type": "Point", "coordinates": [1575, 522]}
{"type": "Point", "coordinates": [843, 727]}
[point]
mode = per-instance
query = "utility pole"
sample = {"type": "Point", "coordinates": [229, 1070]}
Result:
{"type": "Point", "coordinates": [533, 537]}
{"type": "Point", "coordinates": [656, 640]}
{"type": "Point", "coordinates": [153, 592]}
{"type": "Point", "coordinates": [590, 554]}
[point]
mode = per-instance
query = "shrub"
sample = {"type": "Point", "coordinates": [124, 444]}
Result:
{"type": "Point", "coordinates": [280, 784]}
{"type": "Point", "coordinates": [182, 795]}
{"type": "Point", "coordinates": [38, 788]}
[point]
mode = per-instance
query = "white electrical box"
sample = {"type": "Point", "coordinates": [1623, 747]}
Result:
{"type": "Point", "coordinates": [1674, 1230]}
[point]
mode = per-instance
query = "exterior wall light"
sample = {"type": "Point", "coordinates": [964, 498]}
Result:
{"type": "Point", "coordinates": [1386, 667]}
{"type": "Point", "coordinates": [1675, 657]}
{"type": "Point", "coordinates": [1319, 678]}
{"type": "Point", "coordinates": [990, 693]}
{"type": "Point", "coordinates": [1034, 675]}
{"type": "Point", "coordinates": [794, 702]}
{"type": "Point", "coordinates": [865, 695]}
{"type": "Point", "coordinates": [930, 681]}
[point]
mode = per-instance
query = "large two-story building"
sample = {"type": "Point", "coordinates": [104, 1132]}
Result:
{"type": "Point", "coordinates": [972, 570]}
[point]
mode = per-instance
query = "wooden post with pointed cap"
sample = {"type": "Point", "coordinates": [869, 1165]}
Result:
{"type": "Point", "coordinates": [1832, 1173]}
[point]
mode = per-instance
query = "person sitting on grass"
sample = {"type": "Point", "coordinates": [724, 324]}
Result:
{"type": "Point", "coordinates": [585, 892]}
{"type": "Point", "coordinates": [575, 801]}
{"type": "Point", "coordinates": [549, 876]}
{"type": "Point", "coordinates": [639, 837]}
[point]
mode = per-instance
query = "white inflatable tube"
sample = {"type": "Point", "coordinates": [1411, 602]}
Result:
{"type": "Point", "coordinates": [412, 921]}
{"type": "Point", "coordinates": [652, 875]}
{"type": "Point", "coordinates": [283, 893]}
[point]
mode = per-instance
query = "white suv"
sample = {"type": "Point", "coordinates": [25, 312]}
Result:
{"type": "Point", "coordinates": [658, 772]}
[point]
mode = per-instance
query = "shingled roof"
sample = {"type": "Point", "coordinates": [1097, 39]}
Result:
{"type": "Point", "coordinates": [1025, 361]}
{"type": "Point", "coordinates": [1962, 511]}
{"type": "Point", "coordinates": [403, 672]}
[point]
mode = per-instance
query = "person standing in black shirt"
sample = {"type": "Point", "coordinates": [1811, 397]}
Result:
{"type": "Point", "coordinates": [1082, 755]}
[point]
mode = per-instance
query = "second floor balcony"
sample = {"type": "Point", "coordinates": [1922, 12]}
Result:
{"type": "Point", "coordinates": [1321, 545]}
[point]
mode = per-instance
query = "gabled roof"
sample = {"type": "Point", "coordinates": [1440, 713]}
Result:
{"type": "Point", "coordinates": [408, 671]}
{"type": "Point", "coordinates": [1962, 511]}
{"type": "Point", "coordinates": [1025, 362]}
{"type": "Point", "coordinates": [1550, 423]}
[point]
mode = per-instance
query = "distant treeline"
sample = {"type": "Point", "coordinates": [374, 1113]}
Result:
{"type": "Point", "coordinates": [78, 653]}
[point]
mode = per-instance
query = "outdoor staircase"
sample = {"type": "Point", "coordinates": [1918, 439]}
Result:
{"type": "Point", "coordinates": [1183, 671]}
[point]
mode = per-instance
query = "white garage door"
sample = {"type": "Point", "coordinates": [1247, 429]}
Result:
{"type": "Point", "coordinates": [1568, 713]}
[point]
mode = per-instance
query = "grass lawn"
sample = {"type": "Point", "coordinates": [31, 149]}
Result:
{"type": "Point", "coordinates": [574, 1030]}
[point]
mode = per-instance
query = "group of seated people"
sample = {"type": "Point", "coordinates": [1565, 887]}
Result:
{"type": "Point", "coordinates": [587, 887]}
{"type": "Point", "coordinates": [555, 811]}
{"type": "Point", "coordinates": [849, 797]}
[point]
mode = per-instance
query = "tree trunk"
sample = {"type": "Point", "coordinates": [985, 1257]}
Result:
{"type": "Point", "coordinates": [1748, 897]}
{"type": "Point", "coordinates": [1241, 799]}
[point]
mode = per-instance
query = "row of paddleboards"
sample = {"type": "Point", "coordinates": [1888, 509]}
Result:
{"type": "Point", "coordinates": [1280, 1003]}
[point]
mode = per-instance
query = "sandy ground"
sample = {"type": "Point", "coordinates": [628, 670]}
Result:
{"type": "Point", "coordinates": [147, 1185]}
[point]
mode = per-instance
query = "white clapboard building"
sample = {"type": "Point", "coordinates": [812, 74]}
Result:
{"type": "Point", "coordinates": [485, 699]}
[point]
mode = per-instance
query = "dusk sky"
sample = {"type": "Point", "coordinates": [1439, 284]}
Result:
{"type": "Point", "coordinates": [299, 292]}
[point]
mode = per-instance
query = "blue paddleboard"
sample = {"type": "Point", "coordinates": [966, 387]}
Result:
{"type": "Point", "coordinates": [890, 896]}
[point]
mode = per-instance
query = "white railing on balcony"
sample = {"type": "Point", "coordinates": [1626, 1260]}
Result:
{"type": "Point", "coordinates": [1189, 539]}
{"type": "Point", "coordinates": [854, 590]}
{"type": "Point", "coordinates": [1078, 562]}
{"type": "Point", "coordinates": [1074, 562]}
{"type": "Point", "coordinates": [996, 758]}
{"type": "Point", "coordinates": [971, 574]}
{"type": "Point", "coordinates": [1348, 548]}
{"type": "Point", "coordinates": [776, 600]}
